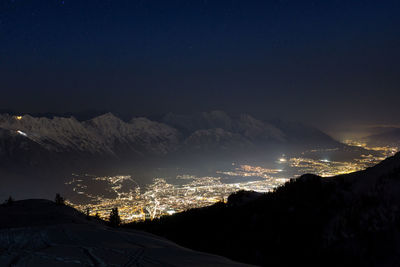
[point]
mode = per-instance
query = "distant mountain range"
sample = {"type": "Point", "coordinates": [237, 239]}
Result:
{"type": "Point", "coordinates": [39, 154]}
{"type": "Point", "coordinates": [40, 140]}
{"type": "Point", "coordinates": [386, 137]}
{"type": "Point", "coordinates": [347, 220]}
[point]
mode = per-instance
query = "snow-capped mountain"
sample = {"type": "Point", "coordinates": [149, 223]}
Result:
{"type": "Point", "coordinates": [217, 128]}
{"type": "Point", "coordinates": [36, 139]}
{"type": "Point", "coordinates": [245, 125]}
{"type": "Point", "coordinates": [105, 135]}
{"type": "Point", "coordinates": [212, 139]}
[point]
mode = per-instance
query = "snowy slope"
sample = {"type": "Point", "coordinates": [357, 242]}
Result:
{"type": "Point", "coordinates": [61, 236]}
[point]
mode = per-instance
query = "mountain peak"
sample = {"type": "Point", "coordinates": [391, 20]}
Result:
{"type": "Point", "coordinates": [106, 116]}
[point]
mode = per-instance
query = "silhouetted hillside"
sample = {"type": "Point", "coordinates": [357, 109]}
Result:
{"type": "Point", "coordinates": [348, 220]}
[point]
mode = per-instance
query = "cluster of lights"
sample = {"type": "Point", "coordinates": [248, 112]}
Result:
{"type": "Point", "coordinates": [163, 198]}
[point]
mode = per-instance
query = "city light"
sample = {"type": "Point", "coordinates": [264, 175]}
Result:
{"type": "Point", "coordinates": [162, 198]}
{"type": "Point", "coordinates": [22, 133]}
{"type": "Point", "coordinates": [165, 197]}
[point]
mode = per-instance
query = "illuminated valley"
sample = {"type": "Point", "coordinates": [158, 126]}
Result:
{"type": "Point", "coordinates": [163, 198]}
{"type": "Point", "coordinates": [166, 196]}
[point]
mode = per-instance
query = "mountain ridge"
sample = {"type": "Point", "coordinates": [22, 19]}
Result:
{"type": "Point", "coordinates": [107, 135]}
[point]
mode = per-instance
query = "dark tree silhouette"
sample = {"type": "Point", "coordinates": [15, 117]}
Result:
{"type": "Point", "coordinates": [59, 200]}
{"type": "Point", "coordinates": [88, 213]}
{"type": "Point", "coordinates": [114, 220]}
{"type": "Point", "coordinates": [9, 201]}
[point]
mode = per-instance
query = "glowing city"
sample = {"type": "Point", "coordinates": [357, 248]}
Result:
{"type": "Point", "coordinates": [163, 197]}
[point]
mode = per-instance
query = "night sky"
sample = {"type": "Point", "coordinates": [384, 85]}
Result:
{"type": "Point", "coordinates": [322, 62]}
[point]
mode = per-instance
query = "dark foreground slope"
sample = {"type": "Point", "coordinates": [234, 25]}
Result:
{"type": "Point", "coordinates": [348, 220]}
{"type": "Point", "coordinates": [40, 233]}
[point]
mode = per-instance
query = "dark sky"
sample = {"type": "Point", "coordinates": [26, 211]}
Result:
{"type": "Point", "coordinates": [325, 62]}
